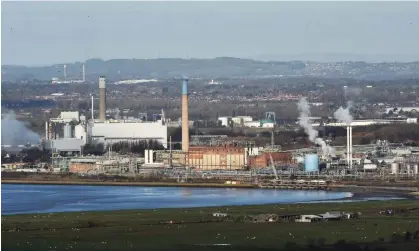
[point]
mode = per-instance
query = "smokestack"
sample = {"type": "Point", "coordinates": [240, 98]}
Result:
{"type": "Point", "coordinates": [50, 130]}
{"type": "Point", "coordinates": [92, 109]}
{"type": "Point", "coordinates": [350, 146]}
{"type": "Point", "coordinates": [65, 72]}
{"type": "Point", "coordinates": [348, 136]}
{"type": "Point", "coordinates": [84, 74]}
{"type": "Point", "coordinates": [102, 99]}
{"type": "Point", "coordinates": [46, 130]}
{"type": "Point", "coordinates": [185, 117]}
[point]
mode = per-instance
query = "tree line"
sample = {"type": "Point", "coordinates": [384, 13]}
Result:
{"type": "Point", "coordinates": [31, 155]}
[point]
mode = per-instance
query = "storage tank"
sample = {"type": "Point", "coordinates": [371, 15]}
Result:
{"type": "Point", "coordinates": [415, 169]}
{"type": "Point", "coordinates": [311, 163]}
{"type": "Point", "coordinates": [408, 169]}
{"type": "Point", "coordinates": [394, 168]}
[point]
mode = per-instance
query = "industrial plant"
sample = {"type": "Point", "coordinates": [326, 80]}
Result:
{"type": "Point", "coordinates": [69, 132]}
{"type": "Point", "coordinates": [209, 156]}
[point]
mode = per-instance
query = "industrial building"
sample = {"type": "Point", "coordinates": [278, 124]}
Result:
{"type": "Point", "coordinates": [246, 121]}
{"type": "Point", "coordinates": [263, 159]}
{"type": "Point", "coordinates": [215, 157]}
{"type": "Point", "coordinates": [96, 165]}
{"type": "Point", "coordinates": [369, 122]}
{"type": "Point", "coordinates": [113, 131]}
{"type": "Point", "coordinates": [208, 158]}
{"type": "Point", "coordinates": [65, 134]}
{"type": "Point", "coordinates": [237, 120]}
{"type": "Point", "coordinates": [70, 131]}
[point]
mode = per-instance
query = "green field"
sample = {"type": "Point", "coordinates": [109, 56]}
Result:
{"type": "Point", "coordinates": [149, 230]}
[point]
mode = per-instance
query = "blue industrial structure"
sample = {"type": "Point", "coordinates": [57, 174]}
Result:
{"type": "Point", "coordinates": [185, 87]}
{"type": "Point", "coordinates": [311, 163]}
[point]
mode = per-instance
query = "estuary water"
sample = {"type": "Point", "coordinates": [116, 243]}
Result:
{"type": "Point", "coordinates": [20, 199]}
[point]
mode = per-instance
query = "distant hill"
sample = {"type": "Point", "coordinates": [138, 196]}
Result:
{"type": "Point", "coordinates": [223, 67]}
{"type": "Point", "coordinates": [339, 57]}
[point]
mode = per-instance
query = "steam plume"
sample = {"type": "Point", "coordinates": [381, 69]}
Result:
{"type": "Point", "coordinates": [304, 122]}
{"type": "Point", "coordinates": [14, 132]}
{"type": "Point", "coordinates": [343, 114]}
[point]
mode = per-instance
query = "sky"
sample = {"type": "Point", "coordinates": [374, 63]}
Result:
{"type": "Point", "coordinates": [44, 33]}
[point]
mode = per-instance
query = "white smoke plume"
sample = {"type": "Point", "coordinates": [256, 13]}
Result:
{"type": "Point", "coordinates": [117, 112]}
{"type": "Point", "coordinates": [304, 122]}
{"type": "Point", "coordinates": [343, 114]}
{"type": "Point", "coordinates": [15, 132]}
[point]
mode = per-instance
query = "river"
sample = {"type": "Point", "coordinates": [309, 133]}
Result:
{"type": "Point", "coordinates": [20, 199]}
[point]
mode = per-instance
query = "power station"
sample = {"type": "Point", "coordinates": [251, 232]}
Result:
{"type": "Point", "coordinates": [67, 134]}
{"type": "Point", "coordinates": [70, 131]}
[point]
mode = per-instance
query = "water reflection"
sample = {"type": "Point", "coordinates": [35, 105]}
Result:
{"type": "Point", "coordinates": [62, 198]}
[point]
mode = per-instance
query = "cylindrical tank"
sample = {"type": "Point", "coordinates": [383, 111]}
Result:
{"type": "Point", "coordinates": [311, 163]}
{"type": "Point", "coordinates": [415, 169]}
{"type": "Point", "coordinates": [394, 168]}
{"type": "Point", "coordinates": [408, 169]}
{"type": "Point", "coordinates": [67, 131]}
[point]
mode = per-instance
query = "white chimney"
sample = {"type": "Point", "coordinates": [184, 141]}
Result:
{"type": "Point", "coordinates": [65, 72]}
{"type": "Point", "coordinates": [350, 146]}
{"type": "Point", "coordinates": [348, 136]}
{"type": "Point", "coordinates": [84, 74]}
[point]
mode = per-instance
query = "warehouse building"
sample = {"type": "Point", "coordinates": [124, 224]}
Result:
{"type": "Point", "coordinates": [208, 158]}
{"type": "Point", "coordinates": [112, 131]}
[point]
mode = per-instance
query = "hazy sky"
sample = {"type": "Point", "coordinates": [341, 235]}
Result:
{"type": "Point", "coordinates": [42, 33]}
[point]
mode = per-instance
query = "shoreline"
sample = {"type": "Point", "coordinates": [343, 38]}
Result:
{"type": "Point", "coordinates": [119, 183]}
{"type": "Point", "coordinates": [338, 187]}
{"type": "Point", "coordinates": [358, 191]}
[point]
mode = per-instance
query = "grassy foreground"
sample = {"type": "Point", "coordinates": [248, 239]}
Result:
{"type": "Point", "coordinates": [192, 228]}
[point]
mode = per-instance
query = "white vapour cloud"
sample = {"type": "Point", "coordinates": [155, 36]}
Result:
{"type": "Point", "coordinates": [343, 114]}
{"type": "Point", "coordinates": [304, 119]}
{"type": "Point", "coordinates": [304, 122]}
{"type": "Point", "coordinates": [14, 132]}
